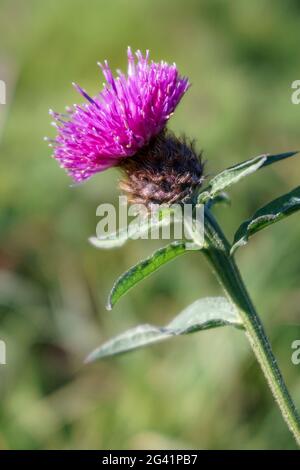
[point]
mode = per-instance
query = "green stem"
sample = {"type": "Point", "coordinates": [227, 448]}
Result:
{"type": "Point", "coordinates": [217, 252]}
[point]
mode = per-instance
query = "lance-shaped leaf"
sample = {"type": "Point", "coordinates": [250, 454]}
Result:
{"type": "Point", "coordinates": [136, 229]}
{"type": "Point", "coordinates": [144, 268]}
{"type": "Point", "coordinates": [269, 214]}
{"type": "Point", "coordinates": [235, 173]}
{"type": "Point", "coordinates": [210, 312]}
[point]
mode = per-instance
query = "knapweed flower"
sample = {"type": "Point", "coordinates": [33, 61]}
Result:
{"type": "Point", "coordinates": [125, 126]}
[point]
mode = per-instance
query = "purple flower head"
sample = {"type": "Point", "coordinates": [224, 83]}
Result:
{"type": "Point", "coordinates": [121, 119]}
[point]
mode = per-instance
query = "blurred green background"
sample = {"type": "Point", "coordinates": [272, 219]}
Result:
{"type": "Point", "coordinates": [201, 391]}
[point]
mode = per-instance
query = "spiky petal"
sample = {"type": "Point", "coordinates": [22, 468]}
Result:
{"type": "Point", "coordinates": [121, 119]}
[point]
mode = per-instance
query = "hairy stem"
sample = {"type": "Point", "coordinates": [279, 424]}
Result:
{"type": "Point", "coordinates": [217, 253]}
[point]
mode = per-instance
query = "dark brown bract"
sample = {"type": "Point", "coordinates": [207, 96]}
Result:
{"type": "Point", "coordinates": [166, 171]}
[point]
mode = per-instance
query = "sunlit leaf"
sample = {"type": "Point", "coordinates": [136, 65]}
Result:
{"type": "Point", "coordinates": [269, 214]}
{"type": "Point", "coordinates": [144, 268]}
{"type": "Point", "coordinates": [203, 314]}
{"type": "Point", "coordinates": [235, 173]}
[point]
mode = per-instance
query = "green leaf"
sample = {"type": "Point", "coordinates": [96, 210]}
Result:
{"type": "Point", "coordinates": [144, 268]}
{"type": "Point", "coordinates": [267, 215]}
{"type": "Point", "coordinates": [235, 173]}
{"type": "Point", "coordinates": [134, 230]}
{"type": "Point", "coordinates": [206, 313]}
{"type": "Point", "coordinates": [210, 312]}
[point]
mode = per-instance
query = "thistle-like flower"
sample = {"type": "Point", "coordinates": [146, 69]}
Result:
{"type": "Point", "coordinates": [125, 126]}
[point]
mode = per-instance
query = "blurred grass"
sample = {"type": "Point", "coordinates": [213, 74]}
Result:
{"type": "Point", "coordinates": [202, 391]}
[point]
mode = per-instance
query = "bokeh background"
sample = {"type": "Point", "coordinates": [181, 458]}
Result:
{"type": "Point", "coordinates": [202, 391]}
